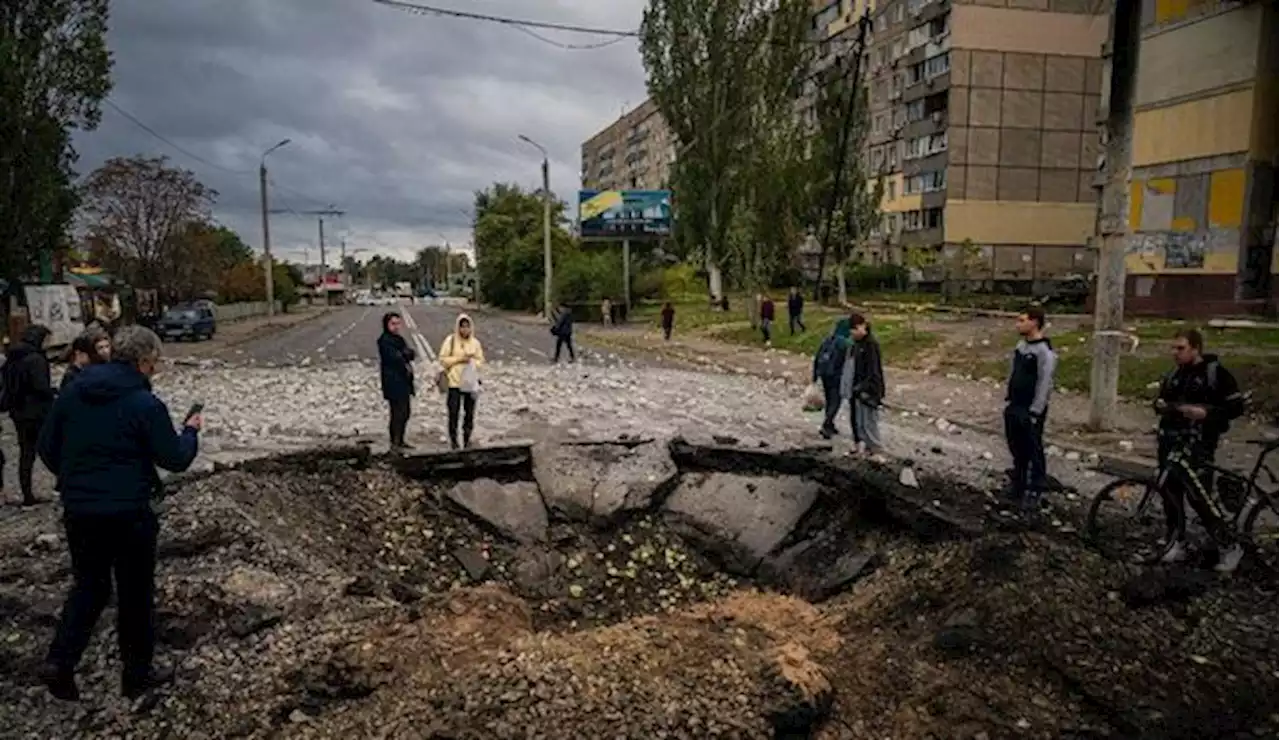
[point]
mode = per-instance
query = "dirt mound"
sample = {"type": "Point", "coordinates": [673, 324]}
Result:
{"type": "Point", "coordinates": [341, 600]}
{"type": "Point", "coordinates": [1032, 636]}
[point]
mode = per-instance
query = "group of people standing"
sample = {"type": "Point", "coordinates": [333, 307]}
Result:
{"type": "Point", "coordinates": [849, 367]}
{"type": "Point", "coordinates": [461, 358]}
{"type": "Point", "coordinates": [27, 392]}
{"type": "Point", "coordinates": [101, 433]}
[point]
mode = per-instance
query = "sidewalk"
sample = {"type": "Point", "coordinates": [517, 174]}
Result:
{"type": "Point", "coordinates": [966, 402]}
{"type": "Point", "coordinates": [234, 333]}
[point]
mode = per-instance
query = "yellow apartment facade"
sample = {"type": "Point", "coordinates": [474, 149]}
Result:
{"type": "Point", "coordinates": [1202, 200]}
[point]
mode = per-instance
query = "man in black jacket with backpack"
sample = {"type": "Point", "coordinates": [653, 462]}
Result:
{"type": "Point", "coordinates": [1197, 401]}
{"type": "Point", "coordinates": [562, 330]}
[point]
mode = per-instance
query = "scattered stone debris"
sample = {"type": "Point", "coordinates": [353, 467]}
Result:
{"type": "Point", "coordinates": [319, 596]}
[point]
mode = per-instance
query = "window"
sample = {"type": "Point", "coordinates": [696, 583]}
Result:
{"type": "Point", "coordinates": [898, 49]}
{"type": "Point", "coordinates": [891, 190]}
{"type": "Point", "coordinates": [899, 117]}
{"type": "Point", "coordinates": [925, 146]}
{"type": "Point", "coordinates": [898, 13]}
{"type": "Point", "coordinates": [882, 22]}
{"type": "Point", "coordinates": [937, 65]}
{"type": "Point", "coordinates": [925, 182]}
{"type": "Point", "coordinates": [826, 16]}
{"type": "Point", "coordinates": [915, 111]}
{"type": "Point", "coordinates": [893, 156]}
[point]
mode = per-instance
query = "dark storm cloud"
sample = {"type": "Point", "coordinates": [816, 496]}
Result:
{"type": "Point", "coordinates": [395, 118]}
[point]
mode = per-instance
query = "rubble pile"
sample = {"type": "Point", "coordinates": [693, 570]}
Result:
{"type": "Point", "coordinates": [634, 589]}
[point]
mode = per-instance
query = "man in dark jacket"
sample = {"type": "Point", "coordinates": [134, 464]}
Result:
{"type": "Point", "coordinates": [1197, 401]}
{"type": "Point", "coordinates": [862, 383]}
{"type": "Point", "coordinates": [766, 319]}
{"type": "Point", "coordinates": [828, 367]}
{"type": "Point", "coordinates": [562, 330]}
{"type": "Point", "coordinates": [395, 370]}
{"type": "Point", "coordinates": [105, 436]}
{"type": "Point", "coordinates": [795, 310]}
{"type": "Point", "coordinates": [27, 396]}
{"type": "Point", "coordinates": [1026, 404]}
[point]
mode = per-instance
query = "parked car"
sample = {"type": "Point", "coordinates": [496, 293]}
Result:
{"type": "Point", "coordinates": [187, 322]}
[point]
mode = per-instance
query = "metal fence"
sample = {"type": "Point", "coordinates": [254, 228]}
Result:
{"type": "Point", "coordinates": [234, 311]}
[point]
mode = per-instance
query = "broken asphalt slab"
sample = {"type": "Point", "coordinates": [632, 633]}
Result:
{"type": "Point", "coordinates": [601, 483]}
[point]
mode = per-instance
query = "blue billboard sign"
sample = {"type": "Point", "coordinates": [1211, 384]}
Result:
{"type": "Point", "coordinates": [624, 214]}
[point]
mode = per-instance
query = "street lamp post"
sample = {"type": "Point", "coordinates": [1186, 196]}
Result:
{"type": "Point", "coordinates": [546, 226]}
{"type": "Point", "coordinates": [266, 228]}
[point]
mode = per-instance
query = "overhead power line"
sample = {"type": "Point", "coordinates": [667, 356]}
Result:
{"type": "Point", "coordinates": [503, 20]}
{"type": "Point", "coordinates": [183, 150]}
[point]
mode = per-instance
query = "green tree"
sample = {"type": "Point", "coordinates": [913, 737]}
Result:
{"type": "Point", "coordinates": [508, 237]}
{"type": "Point", "coordinates": [708, 65]}
{"type": "Point", "coordinates": [54, 73]}
{"type": "Point", "coordinates": [858, 194]}
{"type": "Point", "coordinates": [140, 208]}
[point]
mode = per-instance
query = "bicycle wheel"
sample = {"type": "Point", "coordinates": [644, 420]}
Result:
{"type": "Point", "coordinates": [1132, 519]}
{"type": "Point", "coordinates": [1258, 521]}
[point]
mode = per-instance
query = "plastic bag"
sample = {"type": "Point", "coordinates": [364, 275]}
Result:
{"type": "Point", "coordinates": [470, 382]}
{"type": "Point", "coordinates": [813, 398]}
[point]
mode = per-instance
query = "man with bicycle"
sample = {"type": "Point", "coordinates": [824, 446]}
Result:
{"type": "Point", "coordinates": [1197, 401]}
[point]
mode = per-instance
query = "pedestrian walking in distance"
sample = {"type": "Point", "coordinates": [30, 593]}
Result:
{"type": "Point", "coordinates": [462, 357]}
{"type": "Point", "coordinates": [766, 319]}
{"type": "Point", "coordinates": [27, 394]}
{"type": "Point", "coordinates": [104, 438]}
{"type": "Point", "coordinates": [1026, 405]}
{"type": "Point", "coordinates": [562, 330]}
{"type": "Point", "coordinates": [828, 368]}
{"type": "Point", "coordinates": [668, 320]}
{"type": "Point", "coordinates": [862, 383]}
{"type": "Point", "coordinates": [795, 310]}
{"type": "Point", "coordinates": [606, 312]}
{"type": "Point", "coordinates": [395, 370]}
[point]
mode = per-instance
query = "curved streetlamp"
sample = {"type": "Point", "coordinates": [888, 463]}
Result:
{"type": "Point", "coordinates": [266, 228]}
{"type": "Point", "coordinates": [546, 225]}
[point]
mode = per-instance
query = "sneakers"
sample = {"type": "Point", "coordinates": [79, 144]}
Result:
{"type": "Point", "coordinates": [132, 688]}
{"type": "Point", "coordinates": [1175, 554]}
{"type": "Point", "coordinates": [60, 682]}
{"type": "Point", "coordinates": [1229, 559]}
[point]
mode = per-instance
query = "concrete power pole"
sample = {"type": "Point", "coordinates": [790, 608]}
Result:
{"type": "Point", "coordinates": [321, 213]}
{"type": "Point", "coordinates": [267, 264]}
{"type": "Point", "coordinates": [1109, 337]}
{"type": "Point", "coordinates": [547, 308]}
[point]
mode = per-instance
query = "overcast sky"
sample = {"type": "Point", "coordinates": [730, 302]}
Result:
{"type": "Point", "coordinates": [396, 118]}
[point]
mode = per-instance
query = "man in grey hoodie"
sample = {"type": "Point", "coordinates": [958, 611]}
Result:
{"type": "Point", "coordinates": [1027, 403]}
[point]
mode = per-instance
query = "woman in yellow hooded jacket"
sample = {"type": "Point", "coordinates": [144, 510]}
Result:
{"type": "Point", "coordinates": [461, 357]}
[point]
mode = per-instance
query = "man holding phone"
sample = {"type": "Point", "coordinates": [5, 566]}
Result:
{"type": "Point", "coordinates": [103, 440]}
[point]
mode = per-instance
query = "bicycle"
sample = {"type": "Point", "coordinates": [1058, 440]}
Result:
{"type": "Point", "coordinates": [1148, 517]}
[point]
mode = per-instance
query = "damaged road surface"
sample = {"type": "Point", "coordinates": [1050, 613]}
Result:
{"type": "Point", "coordinates": [637, 589]}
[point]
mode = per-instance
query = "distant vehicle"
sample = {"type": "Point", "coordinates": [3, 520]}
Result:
{"type": "Point", "coordinates": [427, 293]}
{"type": "Point", "coordinates": [187, 322]}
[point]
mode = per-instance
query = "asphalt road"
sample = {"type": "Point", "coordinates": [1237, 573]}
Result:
{"type": "Point", "coordinates": [350, 334]}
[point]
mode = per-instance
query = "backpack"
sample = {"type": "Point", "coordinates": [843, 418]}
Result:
{"type": "Point", "coordinates": [828, 357]}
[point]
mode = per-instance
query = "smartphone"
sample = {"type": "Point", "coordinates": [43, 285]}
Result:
{"type": "Point", "coordinates": [195, 409]}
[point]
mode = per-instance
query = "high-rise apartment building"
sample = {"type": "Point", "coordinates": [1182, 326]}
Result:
{"type": "Point", "coordinates": [1202, 201]}
{"type": "Point", "coordinates": [983, 119]}
{"type": "Point", "coordinates": [633, 153]}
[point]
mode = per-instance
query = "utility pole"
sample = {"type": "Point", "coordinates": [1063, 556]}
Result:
{"type": "Point", "coordinates": [1109, 337]}
{"type": "Point", "coordinates": [854, 92]}
{"type": "Point", "coordinates": [547, 308]}
{"type": "Point", "coordinates": [321, 213]}
{"type": "Point", "coordinates": [267, 264]}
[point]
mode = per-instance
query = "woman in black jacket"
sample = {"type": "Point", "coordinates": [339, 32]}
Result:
{"type": "Point", "coordinates": [26, 394]}
{"type": "Point", "coordinates": [395, 369]}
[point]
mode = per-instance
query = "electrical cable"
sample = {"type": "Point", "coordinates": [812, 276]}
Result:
{"type": "Point", "coordinates": [421, 9]}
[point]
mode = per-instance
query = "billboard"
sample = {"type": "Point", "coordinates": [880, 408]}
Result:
{"type": "Point", "coordinates": [622, 214]}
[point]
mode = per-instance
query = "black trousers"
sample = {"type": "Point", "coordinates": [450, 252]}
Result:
{"type": "Point", "coordinates": [399, 418]}
{"type": "Point", "coordinates": [565, 341]}
{"type": "Point", "coordinates": [28, 438]}
{"type": "Point", "coordinates": [102, 545]}
{"type": "Point", "coordinates": [1024, 434]}
{"type": "Point", "coordinates": [666, 331]}
{"type": "Point", "coordinates": [1202, 498]}
{"type": "Point", "coordinates": [831, 401]}
{"type": "Point", "coordinates": [796, 320]}
{"type": "Point", "coordinates": [457, 401]}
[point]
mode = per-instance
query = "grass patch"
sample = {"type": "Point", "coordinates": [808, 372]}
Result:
{"type": "Point", "coordinates": [898, 344]}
